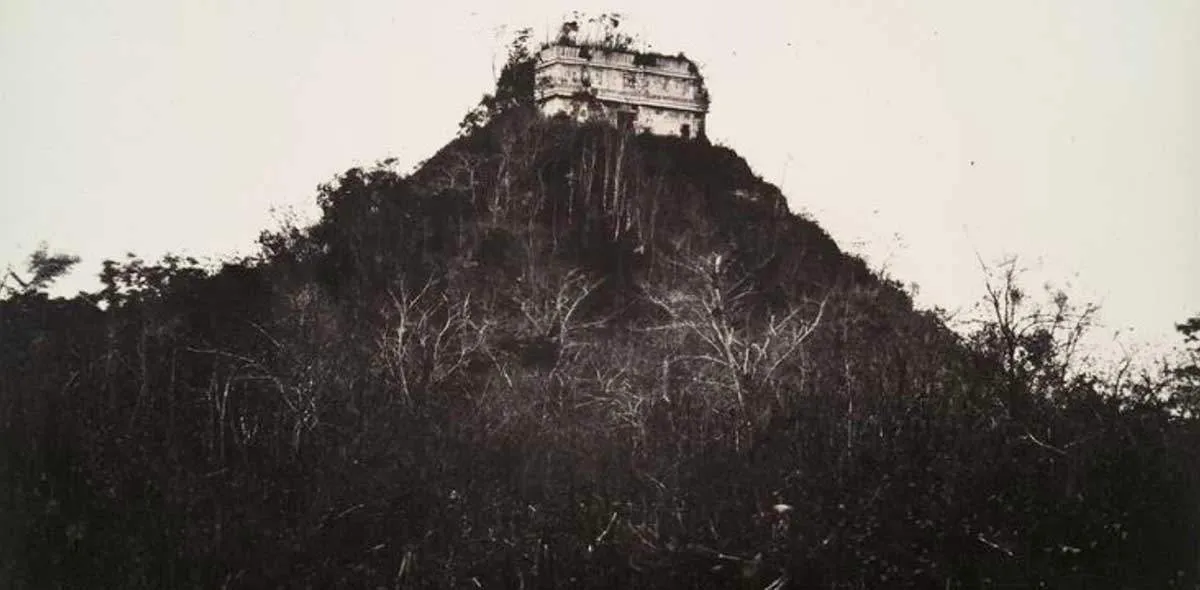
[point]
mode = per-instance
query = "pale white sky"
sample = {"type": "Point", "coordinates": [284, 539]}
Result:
{"type": "Point", "coordinates": [150, 126]}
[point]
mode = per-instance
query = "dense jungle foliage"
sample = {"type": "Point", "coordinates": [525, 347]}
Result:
{"type": "Point", "coordinates": [558, 355]}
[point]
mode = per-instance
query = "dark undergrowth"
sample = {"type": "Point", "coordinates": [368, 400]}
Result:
{"type": "Point", "coordinates": [559, 356]}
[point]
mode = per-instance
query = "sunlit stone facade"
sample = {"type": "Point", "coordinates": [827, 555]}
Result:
{"type": "Point", "coordinates": [651, 93]}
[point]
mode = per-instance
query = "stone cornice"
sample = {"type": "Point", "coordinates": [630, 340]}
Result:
{"type": "Point", "coordinates": [571, 92]}
{"type": "Point", "coordinates": [578, 61]}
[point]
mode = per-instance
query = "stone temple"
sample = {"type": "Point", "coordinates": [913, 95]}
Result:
{"type": "Point", "coordinates": [644, 92]}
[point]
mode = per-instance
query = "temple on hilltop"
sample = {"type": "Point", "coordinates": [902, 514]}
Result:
{"type": "Point", "coordinates": [644, 92]}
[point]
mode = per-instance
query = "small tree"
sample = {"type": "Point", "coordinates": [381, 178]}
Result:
{"type": "Point", "coordinates": [43, 269]}
{"type": "Point", "coordinates": [1183, 388]}
{"type": "Point", "coordinates": [514, 85]}
{"type": "Point", "coordinates": [1035, 344]}
{"type": "Point", "coordinates": [745, 355]}
{"type": "Point", "coordinates": [429, 339]}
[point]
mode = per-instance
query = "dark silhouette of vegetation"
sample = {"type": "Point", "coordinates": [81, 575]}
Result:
{"type": "Point", "coordinates": [559, 355]}
{"type": "Point", "coordinates": [42, 269]}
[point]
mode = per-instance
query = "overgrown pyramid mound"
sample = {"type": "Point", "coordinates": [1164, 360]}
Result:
{"type": "Point", "coordinates": [564, 355]}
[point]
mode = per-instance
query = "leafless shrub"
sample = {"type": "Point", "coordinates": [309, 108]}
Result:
{"type": "Point", "coordinates": [428, 340]}
{"type": "Point", "coordinates": [1037, 342]}
{"type": "Point", "coordinates": [735, 354]}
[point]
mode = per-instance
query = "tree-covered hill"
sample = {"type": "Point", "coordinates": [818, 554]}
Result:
{"type": "Point", "coordinates": [558, 355]}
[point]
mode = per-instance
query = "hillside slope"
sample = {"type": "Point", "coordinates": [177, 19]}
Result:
{"type": "Point", "coordinates": [561, 356]}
